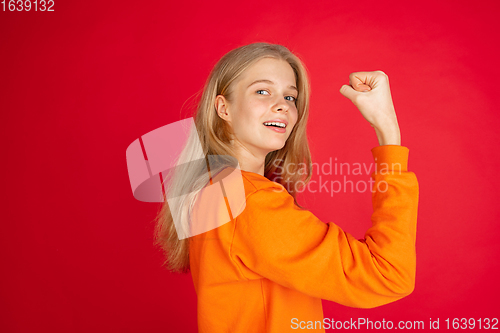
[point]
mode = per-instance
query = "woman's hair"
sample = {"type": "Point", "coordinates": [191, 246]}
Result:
{"type": "Point", "coordinates": [289, 166]}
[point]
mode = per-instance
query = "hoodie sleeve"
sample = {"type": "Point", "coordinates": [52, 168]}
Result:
{"type": "Point", "coordinates": [277, 240]}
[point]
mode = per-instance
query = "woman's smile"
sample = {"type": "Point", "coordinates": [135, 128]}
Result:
{"type": "Point", "coordinates": [276, 126]}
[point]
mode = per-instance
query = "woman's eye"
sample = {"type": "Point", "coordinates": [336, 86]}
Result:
{"type": "Point", "coordinates": [288, 98]}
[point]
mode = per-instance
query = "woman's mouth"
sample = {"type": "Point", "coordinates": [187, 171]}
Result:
{"type": "Point", "coordinates": [276, 126]}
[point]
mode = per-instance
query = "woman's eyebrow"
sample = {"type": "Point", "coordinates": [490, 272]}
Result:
{"type": "Point", "coordinates": [270, 82]}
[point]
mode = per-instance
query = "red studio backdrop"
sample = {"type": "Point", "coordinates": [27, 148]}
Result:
{"type": "Point", "coordinates": [80, 83]}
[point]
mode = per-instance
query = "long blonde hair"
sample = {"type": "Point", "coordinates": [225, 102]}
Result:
{"type": "Point", "coordinates": [289, 166]}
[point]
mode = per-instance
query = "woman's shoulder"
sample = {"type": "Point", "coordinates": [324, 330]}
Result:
{"type": "Point", "coordinates": [254, 182]}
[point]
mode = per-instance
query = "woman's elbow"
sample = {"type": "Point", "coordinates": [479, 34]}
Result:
{"type": "Point", "coordinates": [410, 286]}
{"type": "Point", "coordinates": [395, 292]}
{"type": "Point", "coordinates": [403, 286]}
{"type": "Point", "coordinates": [400, 279]}
{"type": "Point", "coordinates": [396, 283]}
{"type": "Point", "coordinates": [386, 292]}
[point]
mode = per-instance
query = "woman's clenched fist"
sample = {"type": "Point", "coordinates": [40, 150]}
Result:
{"type": "Point", "coordinates": [371, 94]}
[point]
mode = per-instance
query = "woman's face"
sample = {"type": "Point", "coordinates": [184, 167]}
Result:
{"type": "Point", "coordinates": [265, 93]}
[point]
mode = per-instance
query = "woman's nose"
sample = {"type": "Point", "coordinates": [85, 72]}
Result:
{"type": "Point", "coordinates": [280, 106]}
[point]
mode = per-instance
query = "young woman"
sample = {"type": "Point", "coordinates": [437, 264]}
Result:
{"type": "Point", "coordinates": [268, 268]}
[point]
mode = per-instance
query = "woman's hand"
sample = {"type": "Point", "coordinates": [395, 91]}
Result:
{"type": "Point", "coordinates": [370, 93]}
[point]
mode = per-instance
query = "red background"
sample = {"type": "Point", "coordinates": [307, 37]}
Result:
{"type": "Point", "coordinates": [78, 85]}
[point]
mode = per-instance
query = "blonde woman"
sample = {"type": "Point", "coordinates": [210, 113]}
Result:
{"type": "Point", "coordinates": [268, 268]}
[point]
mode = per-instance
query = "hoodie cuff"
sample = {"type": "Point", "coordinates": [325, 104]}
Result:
{"type": "Point", "coordinates": [390, 157]}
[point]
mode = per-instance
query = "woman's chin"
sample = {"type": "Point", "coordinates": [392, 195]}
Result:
{"type": "Point", "coordinates": [275, 147]}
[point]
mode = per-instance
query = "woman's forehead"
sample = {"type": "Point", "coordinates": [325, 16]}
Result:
{"type": "Point", "coordinates": [269, 69]}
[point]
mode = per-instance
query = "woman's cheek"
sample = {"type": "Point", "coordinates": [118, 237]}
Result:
{"type": "Point", "coordinates": [261, 105]}
{"type": "Point", "coordinates": [295, 115]}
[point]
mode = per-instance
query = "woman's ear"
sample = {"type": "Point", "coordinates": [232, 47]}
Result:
{"type": "Point", "coordinates": [221, 105]}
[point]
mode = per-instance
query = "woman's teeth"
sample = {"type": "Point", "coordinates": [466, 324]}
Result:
{"type": "Point", "coordinates": [275, 124]}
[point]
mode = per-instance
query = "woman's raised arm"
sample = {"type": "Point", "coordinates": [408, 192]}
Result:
{"type": "Point", "coordinates": [275, 239]}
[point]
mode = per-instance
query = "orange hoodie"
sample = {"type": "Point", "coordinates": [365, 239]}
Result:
{"type": "Point", "coordinates": [268, 269]}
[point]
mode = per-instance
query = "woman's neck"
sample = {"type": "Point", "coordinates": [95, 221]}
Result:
{"type": "Point", "coordinates": [250, 161]}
